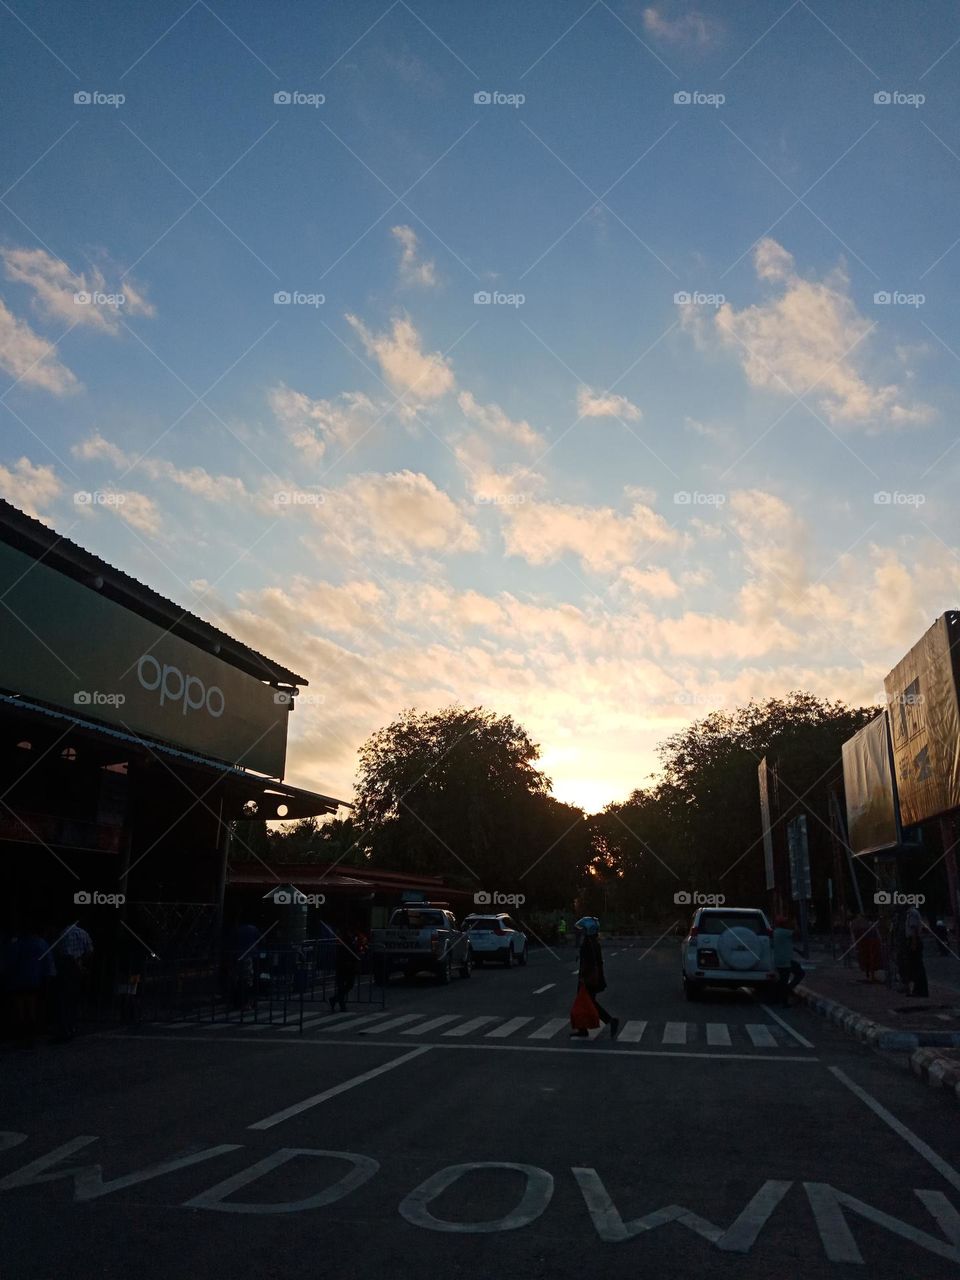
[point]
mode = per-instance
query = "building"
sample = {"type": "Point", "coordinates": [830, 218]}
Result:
{"type": "Point", "coordinates": [133, 735]}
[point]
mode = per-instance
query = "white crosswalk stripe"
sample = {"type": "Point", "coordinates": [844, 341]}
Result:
{"type": "Point", "coordinates": [718, 1033]}
{"type": "Point", "coordinates": [549, 1029]}
{"type": "Point", "coordinates": [431, 1024]}
{"type": "Point", "coordinates": [474, 1024]}
{"type": "Point", "coordinates": [674, 1033]}
{"type": "Point", "coordinates": [507, 1029]}
{"type": "Point", "coordinates": [761, 1035]}
{"type": "Point", "coordinates": [390, 1024]}
{"type": "Point", "coordinates": [632, 1032]}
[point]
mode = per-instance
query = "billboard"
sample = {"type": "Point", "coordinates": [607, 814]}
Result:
{"type": "Point", "coordinates": [925, 724]}
{"type": "Point", "coordinates": [65, 644]}
{"type": "Point", "coordinates": [870, 789]}
{"type": "Point", "coordinates": [763, 774]}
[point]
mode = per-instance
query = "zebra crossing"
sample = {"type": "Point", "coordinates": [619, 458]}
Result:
{"type": "Point", "coordinates": [458, 1027]}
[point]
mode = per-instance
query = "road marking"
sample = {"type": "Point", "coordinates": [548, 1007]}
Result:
{"type": "Point", "coordinates": [540, 990]}
{"type": "Point", "coordinates": [769, 1059]}
{"type": "Point", "coordinates": [472, 1024]}
{"type": "Point", "coordinates": [761, 1035]}
{"type": "Point", "coordinates": [945, 1170]}
{"type": "Point", "coordinates": [342, 1026]}
{"type": "Point", "coordinates": [549, 1029]}
{"type": "Point", "coordinates": [390, 1024]}
{"type": "Point", "coordinates": [718, 1033]}
{"type": "Point", "coordinates": [675, 1033]}
{"type": "Point", "coordinates": [430, 1025]}
{"type": "Point", "coordinates": [632, 1031]}
{"type": "Point", "coordinates": [299, 1107]}
{"type": "Point", "coordinates": [322, 1019]}
{"type": "Point", "coordinates": [508, 1028]}
{"type": "Point", "coordinates": [787, 1027]}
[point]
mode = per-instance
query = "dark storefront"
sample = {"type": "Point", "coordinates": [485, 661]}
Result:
{"type": "Point", "coordinates": [133, 736]}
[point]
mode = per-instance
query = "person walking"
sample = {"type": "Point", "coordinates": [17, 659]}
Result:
{"type": "Point", "coordinates": [591, 970]}
{"type": "Point", "coordinates": [72, 952]}
{"type": "Point", "coordinates": [562, 932]}
{"type": "Point", "coordinates": [346, 966]}
{"type": "Point", "coordinates": [916, 970]}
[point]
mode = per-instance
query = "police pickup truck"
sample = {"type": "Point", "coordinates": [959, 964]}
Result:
{"type": "Point", "coordinates": [421, 937]}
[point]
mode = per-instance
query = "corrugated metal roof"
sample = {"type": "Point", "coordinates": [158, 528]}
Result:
{"type": "Point", "coordinates": [60, 553]}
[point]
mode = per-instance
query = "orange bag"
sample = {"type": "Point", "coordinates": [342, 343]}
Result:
{"type": "Point", "coordinates": [583, 1012]}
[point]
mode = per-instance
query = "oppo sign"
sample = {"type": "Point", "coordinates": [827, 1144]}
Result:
{"type": "Point", "coordinates": [173, 686]}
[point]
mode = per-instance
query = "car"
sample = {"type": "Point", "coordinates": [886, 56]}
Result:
{"type": "Point", "coordinates": [495, 936]}
{"type": "Point", "coordinates": [727, 947]}
{"type": "Point", "coordinates": [421, 937]}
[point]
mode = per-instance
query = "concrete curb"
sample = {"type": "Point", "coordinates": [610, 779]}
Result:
{"type": "Point", "coordinates": [936, 1071]}
{"type": "Point", "coordinates": [873, 1032]}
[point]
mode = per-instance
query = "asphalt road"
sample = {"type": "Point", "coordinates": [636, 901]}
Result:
{"type": "Point", "coordinates": [447, 1137]}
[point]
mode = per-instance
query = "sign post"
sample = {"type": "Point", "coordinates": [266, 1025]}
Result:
{"type": "Point", "coordinates": [800, 886]}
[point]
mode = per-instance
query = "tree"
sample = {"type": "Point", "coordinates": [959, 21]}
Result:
{"type": "Point", "coordinates": [447, 792]}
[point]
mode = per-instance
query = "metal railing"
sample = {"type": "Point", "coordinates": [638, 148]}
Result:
{"type": "Point", "coordinates": [278, 985]}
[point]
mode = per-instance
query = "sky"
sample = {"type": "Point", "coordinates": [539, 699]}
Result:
{"type": "Point", "coordinates": [592, 362]}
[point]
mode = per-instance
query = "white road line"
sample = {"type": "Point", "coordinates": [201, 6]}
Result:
{"type": "Point", "coordinates": [674, 1033]}
{"type": "Point", "coordinates": [761, 1035]}
{"type": "Point", "coordinates": [356, 1022]}
{"type": "Point", "coordinates": [787, 1027]}
{"type": "Point", "coordinates": [390, 1024]}
{"type": "Point", "coordinates": [317, 1098]}
{"type": "Point", "coordinates": [631, 1032]}
{"type": "Point", "coordinates": [549, 1029]}
{"type": "Point", "coordinates": [718, 1033]}
{"type": "Point", "coordinates": [945, 1170]}
{"type": "Point", "coordinates": [508, 1028]}
{"type": "Point", "coordinates": [763, 1059]}
{"type": "Point", "coordinates": [431, 1024]}
{"type": "Point", "coordinates": [540, 990]}
{"type": "Point", "coordinates": [473, 1024]}
{"type": "Point", "coordinates": [318, 1020]}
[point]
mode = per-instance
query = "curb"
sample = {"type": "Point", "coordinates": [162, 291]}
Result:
{"type": "Point", "coordinates": [873, 1033]}
{"type": "Point", "coordinates": [936, 1071]}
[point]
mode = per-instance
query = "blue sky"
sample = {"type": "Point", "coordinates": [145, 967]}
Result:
{"type": "Point", "coordinates": [589, 502]}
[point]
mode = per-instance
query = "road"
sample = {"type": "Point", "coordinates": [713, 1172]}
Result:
{"type": "Point", "coordinates": [462, 1133]}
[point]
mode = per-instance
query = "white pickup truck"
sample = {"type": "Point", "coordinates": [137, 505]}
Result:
{"type": "Point", "coordinates": [418, 938]}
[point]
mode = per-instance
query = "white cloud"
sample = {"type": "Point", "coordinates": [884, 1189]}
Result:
{"type": "Point", "coordinates": [401, 515]}
{"type": "Point", "coordinates": [311, 425]}
{"type": "Point", "coordinates": [138, 511]}
{"type": "Point", "coordinates": [493, 419]}
{"type": "Point", "coordinates": [29, 487]}
{"type": "Point", "coordinates": [195, 480]}
{"type": "Point", "coordinates": [656, 582]}
{"type": "Point", "coordinates": [605, 404]}
{"type": "Point", "coordinates": [32, 360]}
{"type": "Point", "coordinates": [59, 292]}
{"type": "Point", "coordinates": [602, 538]}
{"type": "Point", "coordinates": [810, 338]}
{"type": "Point", "coordinates": [418, 376]}
{"type": "Point", "coordinates": [413, 269]}
{"type": "Point", "coordinates": [691, 29]}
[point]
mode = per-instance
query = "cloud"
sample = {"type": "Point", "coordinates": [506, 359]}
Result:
{"type": "Point", "coordinates": [603, 539]}
{"type": "Point", "coordinates": [492, 418]}
{"type": "Point", "coordinates": [400, 516]}
{"type": "Point", "coordinates": [81, 298]}
{"type": "Point", "coordinates": [692, 29]}
{"type": "Point", "coordinates": [32, 360]}
{"type": "Point", "coordinates": [197, 481]}
{"type": "Point", "coordinates": [29, 487]}
{"type": "Point", "coordinates": [413, 269]}
{"type": "Point", "coordinates": [658, 583]}
{"type": "Point", "coordinates": [418, 376]}
{"type": "Point", "coordinates": [604, 404]}
{"type": "Point", "coordinates": [311, 425]}
{"type": "Point", "coordinates": [810, 339]}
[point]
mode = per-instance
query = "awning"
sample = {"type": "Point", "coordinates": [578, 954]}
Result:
{"type": "Point", "coordinates": [246, 795]}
